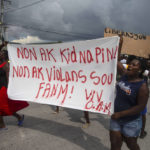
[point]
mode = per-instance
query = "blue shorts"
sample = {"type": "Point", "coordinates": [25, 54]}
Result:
{"type": "Point", "coordinates": [128, 129]}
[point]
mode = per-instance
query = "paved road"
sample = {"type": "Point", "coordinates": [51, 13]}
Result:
{"type": "Point", "coordinates": [44, 130]}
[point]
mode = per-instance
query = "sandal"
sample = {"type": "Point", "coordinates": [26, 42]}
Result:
{"type": "Point", "coordinates": [142, 136]}
{"type": "Point", "coordinates": [20, 122]}
{"type": "Point", "coordinates": [56, 112]}
{"type": "Point", "coordinates": [86, 125]}
{"type": "Point", "coordinates": [1, 129]}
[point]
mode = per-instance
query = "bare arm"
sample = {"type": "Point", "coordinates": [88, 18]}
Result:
{"type": "Point", "coordinates": [120, 69]}
{"type": "Point", "coordinates": [2, 45]}
{"type": "Point", "coordinates": [6, 68]}
{"type": "Point", "coordinates": [142, 99]}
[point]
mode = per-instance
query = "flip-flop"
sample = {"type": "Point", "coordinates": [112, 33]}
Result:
{"type": "Point", "coordinates": [86, 125]}
{"type": "Point", "coordinates": [55, 112]}
{"type": "Point", "coordinates": [20, 122]}
{"type": "Point", "coordinates": [1, 129]}
{"type": "Point", "coordinates": [143, 135]}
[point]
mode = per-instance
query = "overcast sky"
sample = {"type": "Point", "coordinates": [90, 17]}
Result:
{"type": "Point", "coordinates": [67, 20]}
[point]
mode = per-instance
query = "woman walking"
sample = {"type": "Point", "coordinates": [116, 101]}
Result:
{"type": "Point", "coordinates": [8, 107]}
{"type": "Point", "coordinates": [131, 99]}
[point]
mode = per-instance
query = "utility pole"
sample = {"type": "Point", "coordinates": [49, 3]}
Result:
{"type": "Point", "coordinates": [1, 20]}
{"type": "Point", "coordinates": [2, 26]}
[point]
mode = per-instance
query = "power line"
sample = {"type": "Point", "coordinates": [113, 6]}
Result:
{"type": "Point", "coordinates": [24, 6]}
{"type": "Point", "coordinates": [76, 33]}
{"type": "Point", "coordinates": [55, 32]}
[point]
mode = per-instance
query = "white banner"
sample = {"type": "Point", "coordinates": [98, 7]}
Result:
{"type": "Point", "coordinates": [79, 75]}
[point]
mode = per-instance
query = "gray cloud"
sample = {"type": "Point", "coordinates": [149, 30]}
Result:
{"type": "Point", "coordinates": [76, 19]}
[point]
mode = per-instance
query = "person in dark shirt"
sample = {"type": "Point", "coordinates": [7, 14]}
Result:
{"type": "Point", "coordinates": [131, 98]}
{"type": "Point", "coordinates": [144, 112]}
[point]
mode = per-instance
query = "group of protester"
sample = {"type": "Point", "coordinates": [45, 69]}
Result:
{"type": "Point", "coordinates": [131, 99]}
